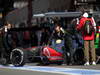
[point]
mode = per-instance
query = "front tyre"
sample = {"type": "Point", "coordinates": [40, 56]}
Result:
{"type": "Point", "coordinates": [44, 60]}
{"type": "Point", "coordinates": [18, 57]}
{"type": "Point", "coordinates": [3, 61]}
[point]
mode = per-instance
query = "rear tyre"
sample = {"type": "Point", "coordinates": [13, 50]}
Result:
{"type": "Point", "coordinates": [18, 57]}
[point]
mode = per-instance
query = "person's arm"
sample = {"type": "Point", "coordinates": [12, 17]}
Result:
{"type": "Point", "coordinates": [94, 23]}
{"type": "Point", "coordinates": [80, 25]}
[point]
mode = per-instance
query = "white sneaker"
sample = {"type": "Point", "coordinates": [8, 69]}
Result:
{"type": "Point", "coordinates": [87, 63]}
{"type": "Point", "coordinates": [93, 63]}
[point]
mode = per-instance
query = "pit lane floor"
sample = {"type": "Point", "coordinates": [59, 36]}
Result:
{"type": "Point", "coordinates": [32, 69]}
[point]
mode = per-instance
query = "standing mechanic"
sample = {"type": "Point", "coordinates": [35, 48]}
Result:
{"type": "Point", "coordinates": [88, 39]}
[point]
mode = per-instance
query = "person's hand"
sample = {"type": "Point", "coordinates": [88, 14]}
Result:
{"type": "Point", "coordinates": [62, 30]}
{"type": "Point", "coordinates": [77, 21]}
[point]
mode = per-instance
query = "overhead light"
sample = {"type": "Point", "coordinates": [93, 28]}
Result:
{"type": "Point", "coordinates": [20, 4]}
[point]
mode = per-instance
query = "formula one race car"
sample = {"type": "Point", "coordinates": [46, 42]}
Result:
{"type": "Point", "coordinates": [43, 54]}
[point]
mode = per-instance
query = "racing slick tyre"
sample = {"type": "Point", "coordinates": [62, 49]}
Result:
{"type": "Point", "coordinates": [18, 57]}
{"type": "Point", "coordinates": [44, 60]}
{"type": "Point", "coordinates": [3, 61]}
{"type": "Point", "coordinates": [79, 57]}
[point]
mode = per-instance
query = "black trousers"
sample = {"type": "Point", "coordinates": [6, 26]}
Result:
{"type": "Point", "coordinates": [69, 50]}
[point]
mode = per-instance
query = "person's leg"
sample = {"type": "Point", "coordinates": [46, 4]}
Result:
{"type": "Point", "coordinates": [68, 50]}
{"type": "Point", "coordinates": [72, 48]}
{"type": "Point", "coordinates": [92, 50]}
{"type": "Point", "coordinates": [86, 50]}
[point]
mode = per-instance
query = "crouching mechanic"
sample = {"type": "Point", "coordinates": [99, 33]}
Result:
{"type": "Point", "coordinates": [88, 38]}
